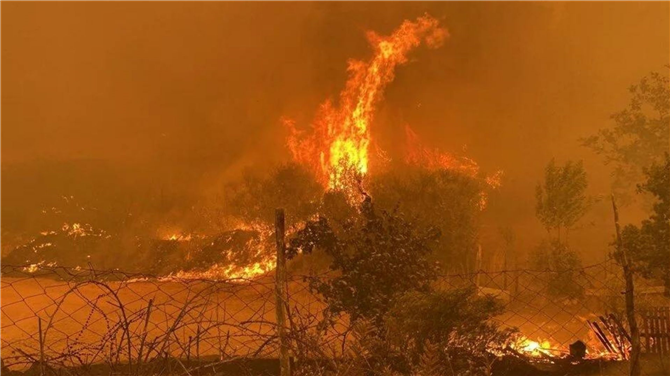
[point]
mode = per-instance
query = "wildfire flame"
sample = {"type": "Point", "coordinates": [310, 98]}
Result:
{"type": "Point", "coordinates": [433, 159]}
{"type": "Point", "coordinates": [260, 253]}
{"type": "Point", "coordinates": [179, 237]}
{"type": "Point", "coordinates": [338, 147]}
{"type": "Point", "coordinates": [533, 348]}
{"type": "Point", "coordinates": [545, 350]}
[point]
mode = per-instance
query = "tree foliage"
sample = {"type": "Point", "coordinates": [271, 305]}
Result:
{"type": "Point", "coordinates": [649, 243]}
{"type": "Point", "coordinates": [561, 199]}
{"type": "Point", "coordinates": [562, 265]}
{"type": "Point", "coordinates": [289, 186]}
{"type": "Point", "coordinates": [383, 281]}
{"type": "Point", "coordinates": [378, 256]}
{"type": "Point", "coordinates": [432, 333]}
{"type": "Point", "coordinates": [640, 134]}
{"type": "Point", "coordinates": [446, 200]}
{"type": "Point", "coordinates": [438, 317]}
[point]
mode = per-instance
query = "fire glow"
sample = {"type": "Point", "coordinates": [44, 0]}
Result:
{"type": "Point", "coordinates": [337, 150]}
{"type": "Point", "coordinates": [544, 350]}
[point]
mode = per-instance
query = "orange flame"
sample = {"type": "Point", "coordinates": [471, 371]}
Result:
{"type": "Point", "coordinates": [532, 348]}
{"type": "Point", "coordinates": [434, 159]}
{"type": "Point", "coordinates": [548, 351]}
{"type": "Point", "coordinates": [337, 148]}
{"type": "Point", "coordinates": [259, 250]}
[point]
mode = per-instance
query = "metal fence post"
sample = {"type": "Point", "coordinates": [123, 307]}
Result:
{"type": "Point", "coordinates": [280, 294]}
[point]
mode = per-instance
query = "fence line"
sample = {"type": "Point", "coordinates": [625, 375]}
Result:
{"type": "Point", "coordinates": [140, 322]}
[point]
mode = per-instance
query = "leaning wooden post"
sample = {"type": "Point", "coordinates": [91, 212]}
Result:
{"type": "Point", "coordinates": [280, 294]}
{"type": "Point", "coordinates": [41, 338]}
{"type": "Point", "coordinates": [634, 369]}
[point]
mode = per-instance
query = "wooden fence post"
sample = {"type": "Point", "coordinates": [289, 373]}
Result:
{"type": "Point", "coordinates": [41, 338]}
{"type": "Point", "coordinates": [634, 369]}
{"type": "Point", "coordinates": [280, 294]}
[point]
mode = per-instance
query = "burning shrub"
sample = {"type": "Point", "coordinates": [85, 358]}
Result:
{"type": "Point", "coordinates": [70, 245]}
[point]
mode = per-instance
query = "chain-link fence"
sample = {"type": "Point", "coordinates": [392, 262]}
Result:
{"type": "Point", "coordinates": [90, 321]}
{"type": "Point", "coordinates": [556, 307]}
{"type": "Point", "coordinates": [71, 318]}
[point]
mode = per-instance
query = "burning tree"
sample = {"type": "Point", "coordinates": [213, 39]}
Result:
{"type": "Point", "coordinates": [340, 137]}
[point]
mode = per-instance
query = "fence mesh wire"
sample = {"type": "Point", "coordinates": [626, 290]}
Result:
{"type": "Point", "coordinates": [77, 318]}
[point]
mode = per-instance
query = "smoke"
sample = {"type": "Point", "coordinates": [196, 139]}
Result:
{"type": "Point", "coordinates": [163, 104]}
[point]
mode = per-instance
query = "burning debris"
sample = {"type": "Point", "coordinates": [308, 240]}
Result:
{"type": "Point", "coordinates": [72, 244]}
{"type": "Point", "coordinates": [229, 255]}
{"type": "Point", "coordinates": [614, 338]}
{"type": "Point", "coordinates": [527, 357]}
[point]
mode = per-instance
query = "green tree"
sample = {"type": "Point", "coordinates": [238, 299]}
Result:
{"type": "Point", "coordinates": [561, 199]}
{"type": "Point", "coordinates": [452, 328]}
{"type": "Point", "coordinates": [383, 282]}
{"type": "Point", "coordinates": [640, 134]}
{"type": "Point", "coordinates": [649, 244]}
{"type": "Point", "coordinates": [446, 200]}
{"type": "Point", "coordinates": [561, 264]}
{"type": "Point", "coordinates": [378, 256]}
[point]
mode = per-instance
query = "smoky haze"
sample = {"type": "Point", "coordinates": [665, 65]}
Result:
{"type": "Point", "coordinates": [106, 101]}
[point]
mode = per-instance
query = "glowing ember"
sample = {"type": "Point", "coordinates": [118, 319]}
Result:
{"type": "Point", "coordinates": [545, 351]}
{"type": "Point", "coordinates": [259, 258]}
{"type": "Point", "coordinates": [337, 149]}
{"type": "Point", "coordinates": [78, 230]}
{"type": "Point", "coordinates": [533, 348]}
{"type": "Point", "coordinates": [179, 237]}
{"type": "Point", "coordinates": [233, 273]}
